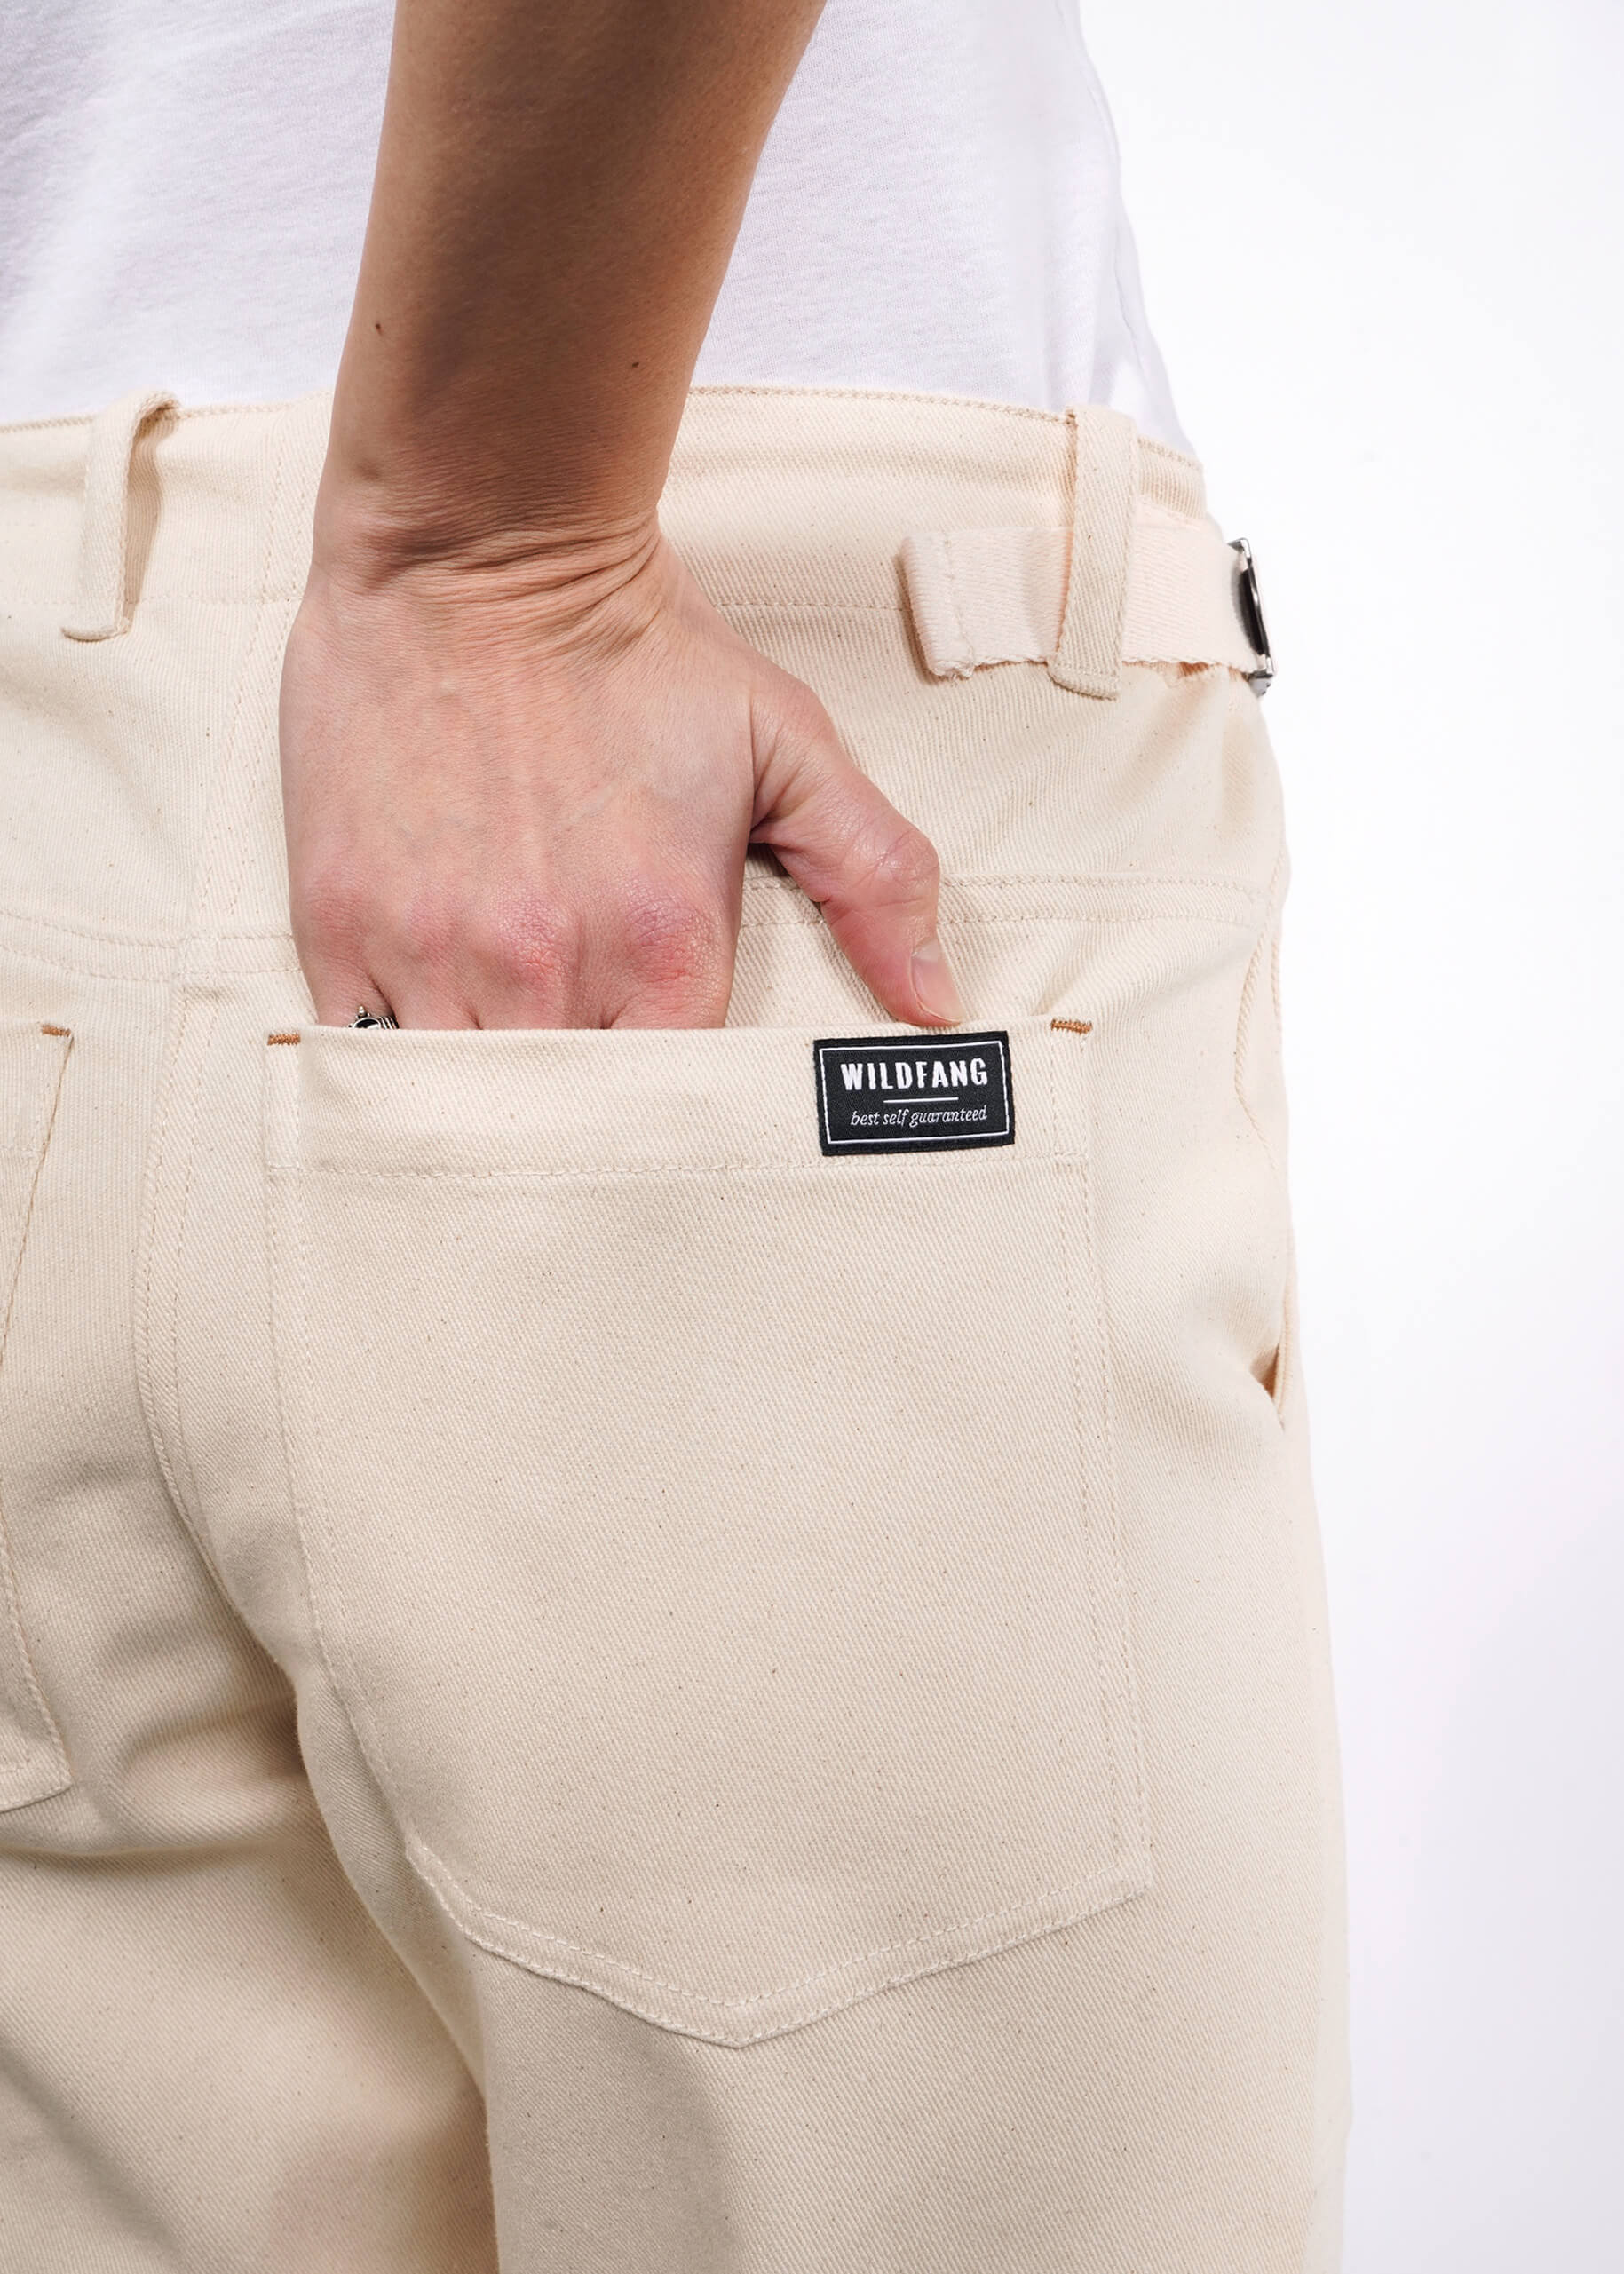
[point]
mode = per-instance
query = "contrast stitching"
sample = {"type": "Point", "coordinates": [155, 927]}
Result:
{"type": "Point", "coordinates": [1247, 1008]}
{"type": "Point", "coordinates": [203, 915]}
{"type": "Point", "coordinates": [187, 596]}
{"type": "Point", "coordinates": [1080, 1423]}
{"type": "Point", "coordinates": [1125, 1870]}
{"type": "Point", "coordinates": [183, 1217]}
{"type": "Point", "coordinates": [1113, 1558]}
{"type": "Point", "coordinates": [736, 607]}
{"type": "Point", "coordinates": [144, 1335]}
{"type": "Point", "coordinates": [374, 1753]}
{"type": "Point", "coordinates": [101, 935]}
{"type": "Point", "coordinates": [1098, 1894]}
{"type": "Point", "coordinates": [527, 1174]}
{"type": "Point", "coordinates": [86, 968]}
{"type": "Point", "coordinates": [1094, 880]}
{"type": "Point", "coordinates": [885, 395]}
{"type": "Point", "coordinates": [993, 881]}
{"type": "Point", "coordinates": [960, 625]}
{"type": "Point", "coordinates": [33, 1150]}
{"type": "Point", "coordinates": [1174, 458]}
{"type": "Point", "coordinates": [96, 933]}
{"type": "Point", "coordinates": [993, 411]}
{"type": "Point", "coordinates": [143, 1330]}
{"type": "Point", "coordinates": [180, 411]}
{"type": "Point", "coordinates": [978, 923]}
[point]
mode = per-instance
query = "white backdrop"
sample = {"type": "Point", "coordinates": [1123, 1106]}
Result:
{"type": "Point", "coordinates": [1384, 249]}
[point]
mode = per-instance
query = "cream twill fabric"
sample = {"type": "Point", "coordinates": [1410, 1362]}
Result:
{"type": "Point", "coordinates": [584, 1680]}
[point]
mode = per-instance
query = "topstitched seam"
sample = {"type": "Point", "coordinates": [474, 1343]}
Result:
{"type": "Point", "coordinates": [1027, 412]}
{"type": "Point", "coordinates": [960, 627]}
{"type": "Point", "coordinates": [33, 1153]}
{"type": "Point", "coordinates": [1247, 1010]}
{"type": "Point", "coordinates": [991, 880]}
{"type": "Point", "coordinates": [1126, 1872]}
{"type": "Point", "coordinates": [281, 1218]}
{"type": "Point", "coordinates": [871, 1166]}
{"type": "Point", "coordinates": [1082, 1168]}
{"type": "Point", "coordinates": [189, 1501]}
{"type": "Point", "coordinates": [1113, 1559]}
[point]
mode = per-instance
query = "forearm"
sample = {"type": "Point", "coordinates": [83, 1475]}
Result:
{"type": "Point", "coordinates": [560, 185]}
{"type": "Point", "coordinates": [523, 756]}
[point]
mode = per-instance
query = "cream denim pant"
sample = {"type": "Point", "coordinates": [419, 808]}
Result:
{"type": "Point", "coordinates": [605, 1667]}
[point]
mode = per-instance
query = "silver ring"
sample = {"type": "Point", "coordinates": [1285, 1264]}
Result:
{"type": "Point", "coordinates": [364, 1017]}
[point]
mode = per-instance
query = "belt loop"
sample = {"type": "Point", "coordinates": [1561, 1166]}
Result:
{"type": "Point", "coordinates": [1104, 487]}
{"type": "Point", "coordinates": [99, 609]}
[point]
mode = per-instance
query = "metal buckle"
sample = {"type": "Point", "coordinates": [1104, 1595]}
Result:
{"type": "Point", "coordinates": [1249, 600]}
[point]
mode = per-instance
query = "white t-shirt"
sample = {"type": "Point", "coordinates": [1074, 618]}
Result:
{"type": "Point", "coordinates": [184, 187]}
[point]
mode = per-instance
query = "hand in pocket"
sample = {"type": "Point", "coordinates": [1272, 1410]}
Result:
{"type": "Point", "coordinates": [519, 793]}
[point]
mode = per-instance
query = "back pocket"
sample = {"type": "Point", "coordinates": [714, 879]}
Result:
{"type": "Point", "coordinates": [33, 1763]}
{"type": "Point", "coordinates": [711, 1537]}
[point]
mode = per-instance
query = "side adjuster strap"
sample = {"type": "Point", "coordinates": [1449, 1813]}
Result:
{"type": "Point", "coordinates": [979, 596]}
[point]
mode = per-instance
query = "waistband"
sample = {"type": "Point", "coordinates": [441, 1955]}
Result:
{"type": "Point", "coordinates": [1005, 533]}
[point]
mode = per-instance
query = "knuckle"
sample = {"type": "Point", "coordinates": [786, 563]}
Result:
{"type": "Point", "coordinates": [332, 910]}
{"type": "Point", "coordinates": [803, 715]}
{"type": "Point", "coordinates": [670, 934]}
{"type": "Point", "coordinates": [532, 942]}
{"type": "Point", "coordinates": [426, 932]}
{"type": "Point", "coordinates": [902, 866]}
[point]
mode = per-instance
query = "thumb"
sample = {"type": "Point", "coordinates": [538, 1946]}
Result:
{"type": "Point", "coordinates": [874, 875]}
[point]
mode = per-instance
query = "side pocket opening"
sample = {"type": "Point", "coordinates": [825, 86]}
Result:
{"type": "Point", "coordinates": [1260, 1086]}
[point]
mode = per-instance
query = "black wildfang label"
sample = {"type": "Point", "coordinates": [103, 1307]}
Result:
{"type": "Point", "coordinates": [913, 1094]}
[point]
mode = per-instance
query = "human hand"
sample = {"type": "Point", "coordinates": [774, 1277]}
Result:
{"type": "Point", "coordinates": [518, 792]}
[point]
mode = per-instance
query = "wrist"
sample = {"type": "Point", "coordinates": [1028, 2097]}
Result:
{"type": "Point", "coordinates": [408, 480]}
{"type": "Point", "coordinates": [370, 536]}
